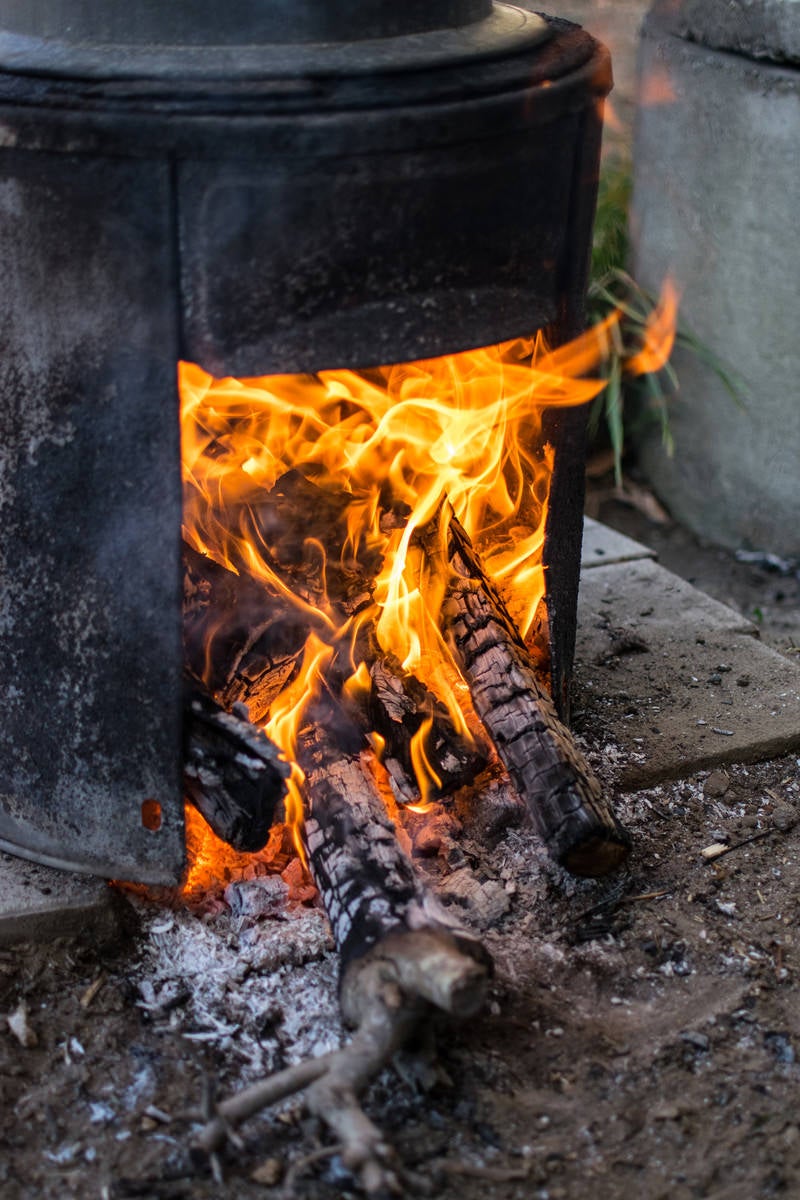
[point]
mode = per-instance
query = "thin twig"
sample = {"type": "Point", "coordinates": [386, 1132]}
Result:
{"type": "Point", "coordinates": [296, 1169]}
{"type": "Point", "coordinates": [754, 837]}
{"type": "Point", "coordinates": [209, 1090]}
{"type": "Point", "coordinates": [260, 1095]}
{"type": "Point", "coordinates": [646, 896]}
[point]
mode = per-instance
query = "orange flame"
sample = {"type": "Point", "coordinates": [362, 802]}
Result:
{"type": "Point", "coordinates": [405, 445]}
{"type": "Point", "coordinates": [610, 116]}
{"type": "Point", "coordinates": [659, 334]}
{"type": "Point", "coordinates": [423, 770]}
{"type": "Point", "coordinates": [285, 722]}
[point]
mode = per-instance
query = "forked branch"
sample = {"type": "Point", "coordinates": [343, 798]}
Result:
{"type": "Point", "coordinates": [401, 955]}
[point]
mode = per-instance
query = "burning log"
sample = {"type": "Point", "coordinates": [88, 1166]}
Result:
{"type": "Point", "coordinates": [369, 886]}
{"type": "Point", "coordinates": [410, 722]}
{"type": "Point", "coordinates": [541, 756]}
{"type": "Point", "coordinates": [400, 953]}
{"type": "Point", "coordinates": [243, 639]}
{"type": "Point", "coordinates": [232, 773]}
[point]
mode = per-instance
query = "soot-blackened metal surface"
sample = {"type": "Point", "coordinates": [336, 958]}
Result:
{"type": "Point", "coordinates": [272, 225]}
{"type": "Point", "coordinates": [566, 428]}
{"type": "Point", "coordinates": [90, 651]}
{"type": "Point", "coordinates": [435, 222]}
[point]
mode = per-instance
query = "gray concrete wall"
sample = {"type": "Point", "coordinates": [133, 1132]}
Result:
{"type": "Point", "coordinates": [717, 203]}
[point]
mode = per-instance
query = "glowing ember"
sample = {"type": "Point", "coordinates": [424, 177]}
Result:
{"type": "Point", "coordinates": [212, 863]}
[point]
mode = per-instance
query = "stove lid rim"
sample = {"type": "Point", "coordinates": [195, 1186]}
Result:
{"type": "Point", "coordinates": [506, 30]}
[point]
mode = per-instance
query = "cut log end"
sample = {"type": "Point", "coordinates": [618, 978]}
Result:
{"type": "Point", "coordinates": [597, 855]}
{"type": "Point", "coordinates": [430, 964]}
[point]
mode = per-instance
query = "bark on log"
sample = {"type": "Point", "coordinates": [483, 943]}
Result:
{"type": "Point", "coordinates": [545, 764]}
{"type": "Point", "coordinates": [231, 773]}
{"type": "Point", "coordinates": [369, 887]}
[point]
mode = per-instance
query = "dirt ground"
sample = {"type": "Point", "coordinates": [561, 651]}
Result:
{"type": "Point", "coordinates": [641, 1037]}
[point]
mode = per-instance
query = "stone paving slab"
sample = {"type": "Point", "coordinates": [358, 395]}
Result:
{"type": "Point", "coordinates": [38, 903]}
{"type": "Point", "coordinates": [603, 546]}
{"type": "Point", "coordinates": [679, 681]}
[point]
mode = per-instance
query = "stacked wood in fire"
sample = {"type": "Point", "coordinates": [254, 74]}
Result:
{"type": "Point", "coordinates": [245, 631]}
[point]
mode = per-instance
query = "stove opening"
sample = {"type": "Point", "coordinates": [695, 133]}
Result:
{"type": "Point", "coordinates": [329, 522]}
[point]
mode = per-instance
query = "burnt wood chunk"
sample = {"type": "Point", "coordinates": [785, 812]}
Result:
{"type": "Point", "coordinates": [397, 707]}
{"type": "Point", "coordinates": [302, 530]}
{"type": "Point", "coordinates": [232, 773]}
{"type": "Point", "coordinates": [545, 763]}
{"type": "Point", "coordinates": [241, 638]}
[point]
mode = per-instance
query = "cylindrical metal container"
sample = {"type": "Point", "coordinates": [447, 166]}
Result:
{"type": "Point", "coordinates": [260, 203]}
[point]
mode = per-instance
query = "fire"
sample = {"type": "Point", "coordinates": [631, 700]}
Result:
{"type": "Point", "coordinates": [659, 334]}
{"type": "Point", "coordinates": [285, 721]}
{"type": "Point", "coordinates": [399, 449]}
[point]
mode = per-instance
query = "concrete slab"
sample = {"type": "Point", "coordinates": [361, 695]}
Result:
{"type": "Point", "coordinates": [37, 903]}
{"type": "Point", "coordinates": [603, 546]}
{"type": "Point", "coordinates": [679, 681]}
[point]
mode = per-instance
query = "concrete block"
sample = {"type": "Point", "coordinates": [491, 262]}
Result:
{"type": "Point", "coordinates": [678, 681]}
{"type": "Point", "coordinates": [603, 546]}
{"type": "Point", "coordinates": [715, 205]}
{"type": "Point", "coordinates": [37, 903]}
{"type": "Point", "coordinates": [768, 29]}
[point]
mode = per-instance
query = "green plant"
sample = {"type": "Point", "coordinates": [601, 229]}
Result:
{"type": "Point", "coordinates": [639, 375]}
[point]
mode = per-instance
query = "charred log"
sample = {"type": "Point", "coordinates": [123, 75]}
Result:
{"type": "Point", "coordinates": [397, 707]}
{"type": "Point", "coordinates": [232, 773]}
{"type": "Point", "coordinates": [368, 885]}
{"type": "Point", "coordinates": [545, 763]}
{"type": "Point", "coordinates": [303, 532]}
{"type": "Point", "coordinates": [243, 639]}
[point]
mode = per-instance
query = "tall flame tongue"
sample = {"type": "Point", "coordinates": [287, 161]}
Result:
{"type": "Point", "coordinates": [403, 446]}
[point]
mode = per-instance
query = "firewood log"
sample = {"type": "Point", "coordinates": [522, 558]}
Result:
{"type": "Point", "coordinates": [401, 955]}
{"type": "Point", "coordinates": [241, 639]}
{"type": "Point", "coordinates": [368, 885]}
{"type": "Point", "coordinates": [396, 707]}
{"type": "Point", "coordinates": [232, 772]}
{"type": "Point", "coordinates": [545, 763]}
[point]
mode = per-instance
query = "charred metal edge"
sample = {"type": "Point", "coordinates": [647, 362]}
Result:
{"type": "Point", "coordinates": [223, 116]}
{"type": "Point", "coordinates": [566, 429]}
